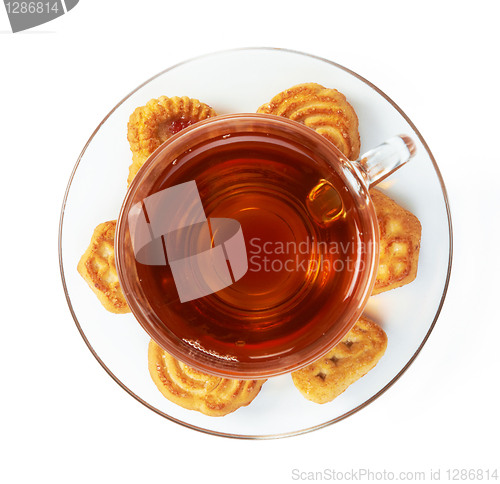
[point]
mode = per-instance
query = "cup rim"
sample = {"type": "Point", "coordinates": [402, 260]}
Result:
{"type": "Point", "coordinates": [254, 370]}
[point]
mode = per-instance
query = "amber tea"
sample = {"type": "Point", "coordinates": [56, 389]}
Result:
{"type": "Point", "coordinates": [302, 237]}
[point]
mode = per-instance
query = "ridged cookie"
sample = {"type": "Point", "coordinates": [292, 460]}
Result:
{"type": "Point", "coordinates": [328, 377]}
{"type": "Point", "coordinates": [97, 267]}
{"type": "Point", "coordinates": [324, 110]}
{"type": "Point", "coordinates": [151, 125]}
{"type": "Point", "coordinates": [195, 390]}
{"type": "Point", "coordinates": [400, 233]}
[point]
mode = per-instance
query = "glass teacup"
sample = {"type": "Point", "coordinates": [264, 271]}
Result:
{"type": "Point", "coordinates": [247, 245]}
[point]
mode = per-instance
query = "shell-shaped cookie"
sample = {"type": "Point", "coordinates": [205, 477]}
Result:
{"type": "Point", "coordinates": [324, 110]}
{"type": "Point", "coordinates": [97, 267]}
{"type": "Point", "coordinates": [151, 125]}
{"type": "Point", "coordinates": [192, 389]}
{"type": "Point", "coordinates": [400, 233]}
{"type": "Point", "coordinates": [328, 377]}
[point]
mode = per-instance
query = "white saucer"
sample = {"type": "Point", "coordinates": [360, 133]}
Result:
{"type": "Point", "coordinates": [241, 81]}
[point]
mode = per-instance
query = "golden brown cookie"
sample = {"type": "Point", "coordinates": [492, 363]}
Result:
{"type": "Point", "coordinates": [324, 110]}
{"type": "Point", "coordinates": [360, 350]}
{"type": "Point", "coordinates": [97, 267]}
{"type": "Point", "coordinates": [151, 125]}
{"type": "Point", "coordinates": [194, 390]}
{"type": "Point", "coordinates": [400, 233]}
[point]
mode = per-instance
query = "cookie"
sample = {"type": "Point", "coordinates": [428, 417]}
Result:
{"type": "Point", "coordinates": [97, 267]}
{"type": "Point", "coordinates": [324, 110]}
{"type": "Point", "coordinates": [151, 125]}
{"type": "Point", "coordinates": [194, 390]}
{"type": "Point", "coordinates": [359, 351]}
{"type": "Point", "coordinates": [400, 233]}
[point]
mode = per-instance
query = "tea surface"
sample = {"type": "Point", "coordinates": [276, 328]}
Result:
{"type": "Point", "coordinates": [302, 237]}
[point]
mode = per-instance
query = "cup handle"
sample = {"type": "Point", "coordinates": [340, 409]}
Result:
{"type": "Point", "coordinates": [385, 159]}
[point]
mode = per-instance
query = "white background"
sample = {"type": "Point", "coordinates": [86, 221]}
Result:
{"type": "Point", "coordinates": [63, 419]}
